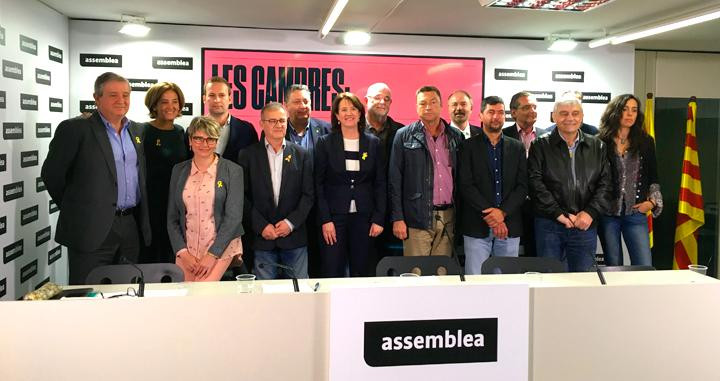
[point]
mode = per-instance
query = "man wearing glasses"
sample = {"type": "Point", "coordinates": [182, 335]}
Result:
{"type": "Point", "coordinates": [235, 134]}
{"type": "Point", "coordinates": [277, 222]}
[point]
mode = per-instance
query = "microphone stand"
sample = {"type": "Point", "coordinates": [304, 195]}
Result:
{"type": "Point", "coordinates": [289, 270]}
{"type": "Point", "coordinates": [597, 268]}
{"type": "Point", "coordinates": [141, 279]}
{"type": "Point", "coordinates": [592, 255]}
{"type": "Point", "coordinates": [452, 247]}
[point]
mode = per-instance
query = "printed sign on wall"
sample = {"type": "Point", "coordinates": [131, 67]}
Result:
{"type": "Point", "coordinates": [258, 77]}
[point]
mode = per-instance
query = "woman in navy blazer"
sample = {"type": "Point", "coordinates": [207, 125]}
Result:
{"type": "Point", "coordinates": [350, 183]}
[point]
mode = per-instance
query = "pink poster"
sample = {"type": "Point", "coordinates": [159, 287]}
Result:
{"type": "Point", "coordinates": [258, 77]}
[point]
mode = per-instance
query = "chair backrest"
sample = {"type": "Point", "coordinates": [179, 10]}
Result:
{"type": "Point", "coordinates": [427, 265]}
{"type": "Point", "coordinates": [126, 274]}
{"type": "Point", "coordinates": [520, 265]}
{"type": "Point", "coordinates": [627, 268]}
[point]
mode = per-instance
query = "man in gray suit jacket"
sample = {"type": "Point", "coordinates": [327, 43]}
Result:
{"type": "Point", "coordinates": [95, 173]}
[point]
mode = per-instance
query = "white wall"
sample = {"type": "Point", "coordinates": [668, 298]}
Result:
{"type": "Point", "coordinates": [42, 24]}
{"type": "Point", "coordinates": [607, 69]}
{"type": "Point", "coordinates": [678, 75]}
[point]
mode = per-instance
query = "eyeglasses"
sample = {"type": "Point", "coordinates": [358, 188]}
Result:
{"type": "Point", "coordinates": [201, 140]}
{"type": "Point", "coordinates": [275, 122]}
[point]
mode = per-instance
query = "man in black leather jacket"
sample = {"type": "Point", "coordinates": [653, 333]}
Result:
{"type": "Point", "coordinates": [421, 179]}
{"type": "Point", "coordinates": [569, 177]}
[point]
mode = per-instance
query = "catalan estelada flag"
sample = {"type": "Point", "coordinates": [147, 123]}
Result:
{"type": "Point", "coordinates": [690, 215]}
{"type": "Point", "coordinates": [649, 127]}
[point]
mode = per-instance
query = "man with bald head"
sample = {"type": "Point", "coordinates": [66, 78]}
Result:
{"type": "Point", "coordinates": [460, 106]}
{"type": "Point", "coordinates": [378, 99]}
{"type": "Point", "coordinates": [569, 177]}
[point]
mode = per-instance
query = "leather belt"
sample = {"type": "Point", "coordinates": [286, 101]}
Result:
{"type": "Point", "coordinates": [442, 207]}
{"type": "Point", "coordinates": [124, 212]}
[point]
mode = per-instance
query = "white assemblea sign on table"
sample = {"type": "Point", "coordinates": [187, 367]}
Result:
{"type": "Point", "coordinates": [442, 332]}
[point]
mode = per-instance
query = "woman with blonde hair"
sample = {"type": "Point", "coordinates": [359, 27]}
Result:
{"type": "Point", "coordinates": [205, 207]}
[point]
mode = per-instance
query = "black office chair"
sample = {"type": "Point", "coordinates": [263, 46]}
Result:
{"type": "Point", "coordinates": [627, 268]}
{"type": "Point", "coordinates": [426, 265]}
{"type": "Point", "coordinates": [521, 265]}
{"type": "Point", "coordinates": [126, 274]}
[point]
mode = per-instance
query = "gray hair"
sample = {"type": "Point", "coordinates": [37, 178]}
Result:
{"type": "Point", "coordinates": [272, 106]}
{"type": "Point", "coordinates": [104, 78]}
{"type": "Point", "coordinates": [567, 101]}
{"type": "Point", "coordinates": [294, 88]}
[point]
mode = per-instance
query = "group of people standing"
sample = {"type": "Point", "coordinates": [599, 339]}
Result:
{"type": "Point", "coordinates": [308, 197]}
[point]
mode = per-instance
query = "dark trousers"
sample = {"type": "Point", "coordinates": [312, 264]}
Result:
{"type": "Point", "coordinates": [384, 245]}
{"type": "Point", "coordinates": [122, 241]}
{"type": "Point", "coordinates": [314, 233]}
{"type": "Point", "coordinates": [353, 246]}
{"type": "Point", "coordinates": [527, 240]}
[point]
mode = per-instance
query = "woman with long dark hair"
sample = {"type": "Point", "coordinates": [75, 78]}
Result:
{"type": "Point", "coordinates": [636, 190]}
{"type": "Point", "coordinates": [350, 185]}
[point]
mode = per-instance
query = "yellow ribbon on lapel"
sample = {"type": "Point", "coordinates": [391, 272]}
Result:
{"type": "Point", "coordinates": [288, 157]}
{"type": "Point", "coordinates": [364, 155]}
{"type": "Point", "coordinates": [220, 184]}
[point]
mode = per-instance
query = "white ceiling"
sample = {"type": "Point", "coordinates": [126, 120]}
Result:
{"type": "Point", "coordinates": [434, 17]}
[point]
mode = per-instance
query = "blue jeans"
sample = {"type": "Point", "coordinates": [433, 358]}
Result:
{"type": "Point", "coordinates": [634, 229]}
{"type": "Point", "coordinates": [295, 258]}
{"type": "Point", "coordinates": [574, 247]}
{"type": "Point", "coordinates": [477, 250]}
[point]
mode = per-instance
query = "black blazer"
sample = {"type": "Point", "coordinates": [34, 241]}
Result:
{"type": "Point", "coordinates": [475, 185]}
{"type": "Point", "coordinates": [242, 134]}
{"type": "Point", "coordinates": [296, 194]}
{"type": "Point", "coordinates": [80, 176]}
{"type": "Point", "coordinates": [587, 129]}
{"type": "Point", "coordinates": [316, 128]}
{"type": "Point", "coordinates": [512, 131]}
{"type": "Point", "coordinates": [474, 130]}
{"type": "Point", "coordinates": [335, 186]}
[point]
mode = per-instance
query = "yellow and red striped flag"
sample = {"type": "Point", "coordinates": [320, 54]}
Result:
{"type": "Point", "coordinates": [690, 215]}
{"type": "Point", "coordinates": [649, 127]}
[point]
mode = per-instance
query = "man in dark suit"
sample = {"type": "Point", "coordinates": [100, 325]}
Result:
{"type": "Point", "coordinates": [305, 131]}
{"type": "Point", "coordinates": [492, 181]}
{"type": "Point", "coordinates": [278, 196]}
{"type": "Point", "coordinates": [235, 134]}
{"type": "Point", "coordinates": [460, 106]}
{"type": "Point", "coordinates": [523, 108]}
{"type": "Point", "coordinates": [379, 123]}
{"type": "Point", "coordinates": [302, 129]}
{"type": "Point", "coordinates": [95, 173]}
